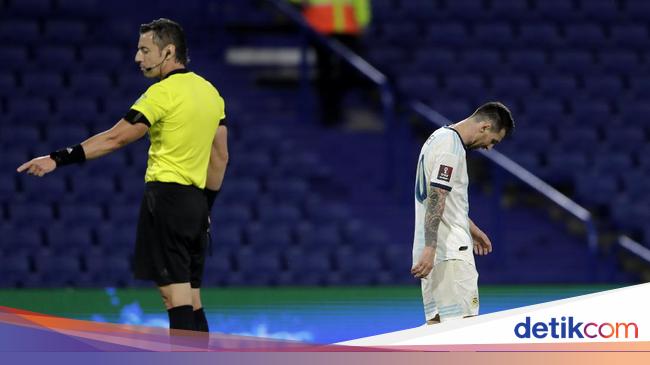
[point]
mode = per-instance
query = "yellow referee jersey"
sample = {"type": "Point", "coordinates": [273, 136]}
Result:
{"type": "Point", "coordinates": [184, 111]}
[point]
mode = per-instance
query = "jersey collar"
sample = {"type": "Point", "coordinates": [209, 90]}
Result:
{"type": "Point", "coordinates": [459, 137]}
{"type": "Point", "coordinates": [176, 71]}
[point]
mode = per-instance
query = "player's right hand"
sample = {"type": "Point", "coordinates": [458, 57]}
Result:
{"type": "Point", "coordinates": [38, 166]}
{"type": "Point", "coordinates": [425, 263]}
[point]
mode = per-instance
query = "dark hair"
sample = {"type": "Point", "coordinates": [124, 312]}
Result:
{"type": "Point", "coordinates": [167, 32]}
{"type": "Point", "coordinates": [498, 114]}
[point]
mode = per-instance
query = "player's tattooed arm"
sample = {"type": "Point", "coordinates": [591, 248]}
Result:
{"type": "Point", "coordinates": [433, 216]}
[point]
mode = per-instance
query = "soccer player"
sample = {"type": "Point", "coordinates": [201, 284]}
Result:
{"type": "Point", "coordinates": [445, 236]}
{"type": "Point", "coordinates": [182, 113]}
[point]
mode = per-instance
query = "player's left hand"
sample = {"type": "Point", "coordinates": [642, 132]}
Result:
{"type": "Point", "coordinates": [38, 166]}
{"type": "Point", "coordinates": [482, 243]}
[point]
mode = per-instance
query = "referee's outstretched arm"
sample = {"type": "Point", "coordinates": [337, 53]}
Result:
{"type": "Point", "coordinates": [96, 146]}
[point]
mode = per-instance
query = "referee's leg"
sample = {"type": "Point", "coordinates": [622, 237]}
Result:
{"type": "Point", "coordinates": [200, 320]}
{"type": "Point", "coordinates": [177, 298]}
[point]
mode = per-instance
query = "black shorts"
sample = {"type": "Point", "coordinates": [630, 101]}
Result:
{"type": "Point", "coordinates": [172, 235]}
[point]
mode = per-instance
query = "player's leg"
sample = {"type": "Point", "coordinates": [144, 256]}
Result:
{"type": "Point", "coordinates": [457, 292]}
{"type": "Point", "coordinates": [430, 308]}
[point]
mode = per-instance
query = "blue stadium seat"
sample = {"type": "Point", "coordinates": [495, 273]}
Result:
{"type": "Point", "coordinates": [465, 9]}
{"type": "Point", "coordinates": [290, 190]}
{"type": "Point", "coordinates": [20, 240]}
{"type": "Point", "coordinates": [584, 35]}
{"type": "Point", "coordinates": [322, 213]}
{"type": "Point", "coordinates": [527, 60]}
{"type": "Point", "coordinates": [28, 110]}
{"type": "Point", "coordinates": [132, 83]}
{"type": "Point", "coordinates": [108, 165]}
{"type": "Point", "coordinates": [217, 268]}
{"type": "Point", "coordinates": [555, 9]}
{"type": "Point", "coordinates": [80, 214]}
{"type": "Point", "coordinates": [226, 236]}
{"type": "Point", "coordinates": [595, 189]}
{"type": "Point", "coordinates": [399, 32]}
{"type": "Point", "coordinates": [70, 240]}
{"type": "Point", "coordinates": [564, 86]}
{"type": "Point", "coordinates": [319, 236]}
{"type": "Point", "coordinates": [546, 110]}
{"type": "Point", "coordinates": [240, 190]}
{"type": "Point", "coordinates": [66, 135]}
{"type": "Point", "coordinates": [19, 135]}
{"type": "Point", "coordinates": [102, 58]}
{"type": "Point", "coordinates": [600, 10]}
{"type": "Point", "coordinates": [640, 86]}
{"type": "Point", "coordinates": [13, 269]}
{"type": "Point", "coordinates": [480, 60]}
{"type": "Point", "coordinates": [447, 34]}
{"type": "Point", "coordinates": [19, 32]}
{"type": "Point", "coordinates": [603, 86]}
{"type": "Point", "coordinates": [238, 214]}
{"type": "Point", "coordinates": [510, 9]}
{"type": "Point", "coordinates": [625, 139]}
{"type": "Point", "coordinates": [592, 113]}
{"type": "Point", "coordinates": [80, 8]}
{"type": "Point", "coordinates": [613, 163]}
{"type": "Point", "coordinates": [309, 267]}
{"type": "Point", "coordinates": [52, 189]}
{"type": "Point", "coordinates": [417, 86]}
{"type": "Point", "coordinates": [534, 138]}
{"type": "Point", "coordinates": [635, 184]}
{"type": "Point", "coordinates": [42, 84]}
{"type": "Point", "coordinates": [619, 62]}
{"type": "Point", "coordinates": [574, 61]}
{"type": "Point", "coordinates": [452, 108]}
{"type": "Point", "coordinates": [123, 214]}
{"type": "Point", "coordinates": [91, 84]}
{"type": "Point", "coordinates": [76, 110]}
{"type": "Point", "coordinates": [562, 164]}
{"type": "Point", "coordinates": [108, 270]}
{"type": "Point", "coordinates": [266, 237]}
{"type": "Point", "coordinates": [29, 8]}
{"type": "Point", "coordinates": [637, 10]}
{"type": "Point", "coordinates": [493, 35]}
{"type": "Point", "coordinates": [632, 35]}
{"type": "Point", "coordinates": [116, 239]}
{"type": "Point", "coordinates": [511, 85]}
{"type": "Point", "coordinates": [463, 85]}
{"type": "Point", "coordinates": [252, 165]}
{"type": "Point", "coordinates": [13, 57]}
{"type": "Point", "coordinates": [55, 57]}
{"type": "Point", "coordinates": [13, 158]}
{"type": "Point", "coordinates": [544, 35]}
{"type": "Point", "coordinates": [434, 60]}
{"type": "Point", "coordinates": [65, 31]}
{"type": "Point", "coordinates": [584, 138]}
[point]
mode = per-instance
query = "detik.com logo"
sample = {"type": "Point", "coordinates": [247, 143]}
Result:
{"type": "Point", "coordinates": [568, 327]}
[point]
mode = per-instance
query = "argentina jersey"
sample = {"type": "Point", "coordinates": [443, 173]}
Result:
{"type": "Point", "coordinates": [442, 164]}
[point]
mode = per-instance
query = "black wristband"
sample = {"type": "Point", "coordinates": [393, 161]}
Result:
{"type": "Point", "coordinates": [68, 156]}
{"type": "Point", "coordinates": [210, 197]}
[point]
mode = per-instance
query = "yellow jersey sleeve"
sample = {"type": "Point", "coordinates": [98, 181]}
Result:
{"type": "Point", "coordinates": [154, 104]}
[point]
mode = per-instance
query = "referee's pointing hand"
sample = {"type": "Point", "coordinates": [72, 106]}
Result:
{"type": "Point", "coordinates": [38, 166]}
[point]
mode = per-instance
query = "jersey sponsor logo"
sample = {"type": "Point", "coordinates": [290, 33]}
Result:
{"type": "Point", "coordinates": [444, 173]}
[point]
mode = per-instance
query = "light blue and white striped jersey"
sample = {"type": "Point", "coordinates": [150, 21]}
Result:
{"type": "Point", "coordinates": [442, 163]}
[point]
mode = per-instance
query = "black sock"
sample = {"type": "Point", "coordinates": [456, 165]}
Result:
{"type": "Point", "coordinates": [181, 318]}
{"type": "Point", "coordinates": [200, 322]}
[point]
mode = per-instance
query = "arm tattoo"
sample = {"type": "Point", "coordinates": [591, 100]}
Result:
{"type": "Point", "coordinates": [433, 215]}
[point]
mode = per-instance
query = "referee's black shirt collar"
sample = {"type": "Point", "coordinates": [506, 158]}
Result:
{"type": "Point", "coordinates": [176, 71]}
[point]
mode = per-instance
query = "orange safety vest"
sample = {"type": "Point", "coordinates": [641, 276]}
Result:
{"type": "Point", "coordinates": [333, 16]}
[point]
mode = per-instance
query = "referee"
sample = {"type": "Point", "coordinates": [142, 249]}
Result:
{"type": "Point", "coordinates": [183, 114]}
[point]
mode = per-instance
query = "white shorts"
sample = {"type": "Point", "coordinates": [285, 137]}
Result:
{"type": "Point", "coordinates": [450, 290]}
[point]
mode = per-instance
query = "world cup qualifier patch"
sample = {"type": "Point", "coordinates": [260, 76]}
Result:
{"type": "Point", "coordinates": [444, 173]}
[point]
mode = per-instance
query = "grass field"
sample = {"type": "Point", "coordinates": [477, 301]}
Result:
{"type": "Point", "coordinates": [320, 315]}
